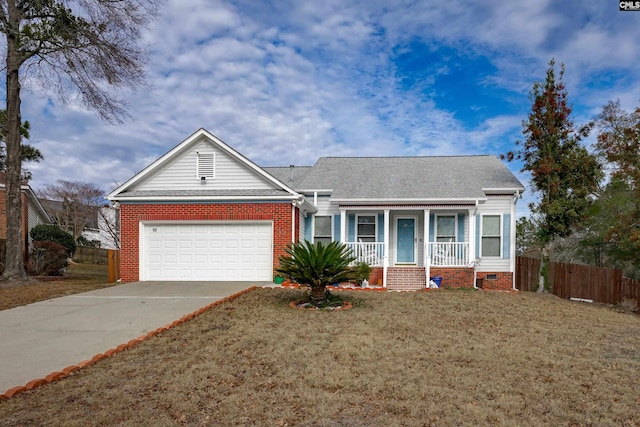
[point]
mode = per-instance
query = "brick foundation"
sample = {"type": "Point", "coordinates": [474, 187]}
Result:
{"type": "Point", "coordinates": [454, 277]}
{"type": "Point", "coordinates": [375, 278]}
{"type": "Point", "coordinates": [502, 282]}
{"type": "Point", "coordinates": [131, 215]}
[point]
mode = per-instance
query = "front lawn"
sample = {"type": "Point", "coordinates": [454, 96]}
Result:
{"type": "Point", "coordinates": [79, 278]}
{"type": "Point", "coordinates": [417, 359]}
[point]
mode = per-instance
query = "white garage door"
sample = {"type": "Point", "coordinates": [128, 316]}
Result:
{"type": "Point", "coordinates": [236, 251]}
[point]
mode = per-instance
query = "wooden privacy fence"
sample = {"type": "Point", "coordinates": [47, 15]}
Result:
{"type": "Point", "coordinates": [114, 265]}
{"type": "Point", "coordinates": [527, 272]}
{"type": "Point", "coordinates": [586, 282]}
{"type": "Point", "coordinates": [91, 255]}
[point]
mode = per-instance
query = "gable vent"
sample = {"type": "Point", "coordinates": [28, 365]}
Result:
{"type": "Point", "coordinates": [206, 165]}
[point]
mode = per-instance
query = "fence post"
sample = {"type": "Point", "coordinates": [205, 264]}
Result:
{"type": "Point", "coordinates": [114, 265]}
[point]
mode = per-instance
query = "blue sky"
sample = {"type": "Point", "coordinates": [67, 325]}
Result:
{"type": "Point", "coordinates": [285, 82]}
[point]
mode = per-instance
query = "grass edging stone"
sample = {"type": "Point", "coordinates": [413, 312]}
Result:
{"type": "Point", "coordinates": [55, 376]}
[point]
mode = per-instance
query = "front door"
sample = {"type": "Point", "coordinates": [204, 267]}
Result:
{"type": "Point", "coordinates": [406, 241]}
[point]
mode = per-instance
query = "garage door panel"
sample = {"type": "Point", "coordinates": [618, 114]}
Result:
{"type": "Point", "coordinates": [214, 251]}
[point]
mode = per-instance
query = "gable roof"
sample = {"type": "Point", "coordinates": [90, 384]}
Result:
{"type": "Point", "coordinates": [131, 190]}
{"type": "Point", "coordinates": [32, 199]}
{"type": "Point", "coordinates": [447, 178]}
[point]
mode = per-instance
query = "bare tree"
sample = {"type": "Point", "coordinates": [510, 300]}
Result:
{"type": "Point", "coordinates": [73, 205]}
{"type": "Point", "coordinates": [88, 48]}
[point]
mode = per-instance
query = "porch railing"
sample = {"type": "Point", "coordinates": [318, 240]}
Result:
{"type": "Point", "coordinates": [449, 254]}
{"type": "Point", "coordinates": [371, 253]}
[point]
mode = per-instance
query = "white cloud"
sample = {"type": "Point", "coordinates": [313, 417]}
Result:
{"type": "Point", "coordinates": [287, 82]}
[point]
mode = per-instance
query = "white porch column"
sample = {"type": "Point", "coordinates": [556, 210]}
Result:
{"type": "Point", "coordinates": [512, 243]}
{"type": "Point", "coordinates": [343, 225]}
{"type": "Point", "coordinates": [427, 258]}
{"type": "Point", "coordinates": [385, 262]}
{"type": "Point", "coordinates": [472, 235]}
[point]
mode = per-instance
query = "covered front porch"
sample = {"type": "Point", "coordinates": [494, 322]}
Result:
{"type": "Point", "coordinates": [411, 243]}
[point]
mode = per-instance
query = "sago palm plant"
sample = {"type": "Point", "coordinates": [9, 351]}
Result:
{"type": "Point", "coordinates": [317, 266]}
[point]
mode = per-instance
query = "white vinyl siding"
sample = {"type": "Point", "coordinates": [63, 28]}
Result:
{"type": "Point", "coordinates": [181, 174]}
{"type": "Point", "coordinates": [493, 206]}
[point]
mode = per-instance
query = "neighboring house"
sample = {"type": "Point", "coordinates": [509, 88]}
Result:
{"type": "Point", "coordinates": [104, 229]}
{"type": "Point", "coordinates": [203, 211]}
{"type": "Point", "coordinates": [33, 213]}
{"type": "Point", "coordinates": [100, 225]}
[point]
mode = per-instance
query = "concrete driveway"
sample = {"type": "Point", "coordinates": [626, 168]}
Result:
{"type": "Point", "coordinates": [39, 339]}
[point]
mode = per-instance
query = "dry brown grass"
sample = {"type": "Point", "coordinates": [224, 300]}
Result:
{"type": "Point", "coordinates": [436, 358]}
{"type": "Point", "coordinates": [79, 278]}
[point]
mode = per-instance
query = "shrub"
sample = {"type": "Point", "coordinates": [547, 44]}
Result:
{"type": "Point", "coordinates": [317, 266]}
{"type": "Point", "coordinates": [47, 259]}
{"type": "Point", "coordinates": [361, 272]}
{"type": "Point", "coordinates": [53, 233]}
{"type": "Point", "coordinates": [627, 305]}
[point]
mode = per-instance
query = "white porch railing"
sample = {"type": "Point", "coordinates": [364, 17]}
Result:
{"type": "Point", "coordinates": [449, 254]}
{"type": "Point", "coordinates": [371, 253]}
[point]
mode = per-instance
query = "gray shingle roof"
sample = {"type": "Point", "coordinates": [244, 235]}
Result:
{"type": "Point", "coordinates": [206, 193]}
{"type": "Point", "coordinates": [453, 177]}
{"type": "Point", "coordinates": [283, 174]}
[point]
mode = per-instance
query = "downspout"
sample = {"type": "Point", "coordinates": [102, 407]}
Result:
{"type": "Point", "coordinates": [512, 246]}
{"type": "Point", "coordinates": [295, 204]}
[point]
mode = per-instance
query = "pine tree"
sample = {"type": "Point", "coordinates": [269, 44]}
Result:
{"type": "Point", "coordinates": [563, 173]}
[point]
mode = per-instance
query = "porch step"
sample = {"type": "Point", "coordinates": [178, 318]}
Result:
{"type": "Point", "coordinates": [406, 278]}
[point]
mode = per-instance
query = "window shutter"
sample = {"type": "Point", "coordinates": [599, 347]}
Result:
{"type": "Point", "coordinates": [307, 228]}
{"type": "Point", "coordinates": [432, 225]}
{"type": "Point", "coordinates": [478, 235]}
{"type": "Point", "coordinates": [460, 227]}
{"type": "Point", "coordinates": [506, 236]}
{"type": "Point", "coordinates": [336, 228]}
{"type": "Point", "coordinates": [206, 165]}
{"type": "Point", "coordinates": [380, 227]}
{"type": "Point", "coordinates": [351, 228]}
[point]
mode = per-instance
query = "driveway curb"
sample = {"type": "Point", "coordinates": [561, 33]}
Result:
{"type": "Point", "coordinates": [55, 376]}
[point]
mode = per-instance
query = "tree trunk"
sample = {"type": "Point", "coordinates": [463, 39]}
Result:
{"type": "Point", "coordinates": [544, 266]}
{"type": "Point", "coordinates": [14, 262]}
{"type": "Point", "coordinates": [317, 294]}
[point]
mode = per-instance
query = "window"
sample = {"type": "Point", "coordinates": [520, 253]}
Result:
{"type": "Point", "coordinates": [322, 232]}
{"type": "Point", "coordinates": [445, 228]}
{"type": "Point", "coordinates": [491, 235]}
{"type": "Point", "coordinates": [366, 228]}
{"type": "Point", "coordinates": [205, 165]}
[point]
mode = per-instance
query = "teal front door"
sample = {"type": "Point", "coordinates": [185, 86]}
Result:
{"type": "Point", "coordinates": [405, 240]}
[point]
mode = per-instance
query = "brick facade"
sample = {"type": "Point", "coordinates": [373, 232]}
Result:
{"type": "Point", "coordinates": [503, 280]}
{"type": "Point", "coordinates": [131, 215]}
{"type": "Point", "coordinates": [454, 277]}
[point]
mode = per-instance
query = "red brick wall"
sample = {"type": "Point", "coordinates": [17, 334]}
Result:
{"type": "Point", "coordinates": [463, 278]}
{"type": "Point", "coordinates": [454, 277]}
{"type": "Point", "coordinates": [503, 281]}
{"type": "Point", "coordinates": [375, 278]}
{"type": "Point", "coordinates": [132, 214]}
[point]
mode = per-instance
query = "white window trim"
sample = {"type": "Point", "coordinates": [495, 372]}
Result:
{"type": "Point", "coordinates": [313, 227]}
{"type": "Point", "coordinates": [206, 174]}
{"type": "Point", "coordinates": [375, 222]}
{"type": "Point", "coordinates": [455, 225]}
{"type": "Point", "coordinates": [500, 230]}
